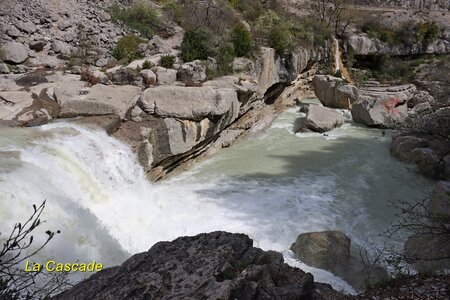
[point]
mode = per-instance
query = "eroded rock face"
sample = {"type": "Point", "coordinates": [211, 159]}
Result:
{"type": "Point", "coordinates": [217, 265]}
{"type": "Point", "coordinates": [330, 250]}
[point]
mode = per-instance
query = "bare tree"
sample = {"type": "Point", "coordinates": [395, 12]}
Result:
{"type": "Point", "coordinates": [15, 282]}
{"type": "Point", "coordinates": [331, 14]}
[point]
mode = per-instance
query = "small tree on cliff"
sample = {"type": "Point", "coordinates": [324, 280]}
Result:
{"type": "Point", "coordinates": [15, 283]}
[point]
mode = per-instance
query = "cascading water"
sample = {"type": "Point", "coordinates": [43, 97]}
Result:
{"type": "Point", "coordinates": [272, 188]}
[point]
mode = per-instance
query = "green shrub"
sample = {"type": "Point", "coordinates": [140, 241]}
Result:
{"type": "Point", "coordinates": [280, 39]}
{"type": "Point", "coordinates": [409, 33]}
{"type": "Point", "coordinates": [167, 61]}
{"type": "Point", "coordinates": [428, 32]}
{"type": "Point", "coordinates": [174, 9]}
{"type": "Point", "coordinates": [126, 48]}
{"type": "Point", "coordinates": [196, 45]}
{"type": "Point", "coordinates": [275, 30]}
{"type": "Point", "coordinates": [251, 9]}
{"type": "Point", "coordinates": [225, 59]}
{"type": "Point", "coordinates": [242, 41]}
{"type": "Point", "coordinates": [139, 16]}
{"type": "Point", "coordinates": [147, 65]}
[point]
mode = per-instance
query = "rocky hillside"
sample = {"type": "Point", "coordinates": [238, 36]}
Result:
{"type": "Point", "coordinates": [48, 32]}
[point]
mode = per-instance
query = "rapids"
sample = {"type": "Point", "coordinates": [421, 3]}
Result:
{"type": "Point", "coordinates": [272, 187]}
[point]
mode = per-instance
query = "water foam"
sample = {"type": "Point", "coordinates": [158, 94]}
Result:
{"type": "Point", "coordinates": [99, 198]}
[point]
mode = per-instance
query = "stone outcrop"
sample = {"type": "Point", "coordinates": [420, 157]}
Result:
{"type": "Point", "coordinates": [330, 250]}
{"type": "Point", "coordinates": [216, 265]}
{"type": "Point", "coordinates": [334, 92]}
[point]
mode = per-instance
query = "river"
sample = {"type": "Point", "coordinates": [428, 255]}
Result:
{"type": "Point", "coordinates": [271, 187]}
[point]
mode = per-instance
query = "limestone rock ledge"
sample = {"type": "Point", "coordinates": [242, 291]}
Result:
{"type": "Point", "coordinates": [216, 265]}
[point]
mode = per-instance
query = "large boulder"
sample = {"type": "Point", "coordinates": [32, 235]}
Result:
{"type": "Point", "coordinates": [383, 106]}
{"type": "Point", "coordinates": [333, 92]}
{"type": "Point", "coordinates": [402, 147]}
{"type": "Point", "coordinates": [165, 76]}
{"type": "Point", "coordinates": [216, 265]}
{"type": "Point", "coordinates": [323, 119]}
{"type": "Point", "coordinates": [13, 52]}
{"type": "Point", "coordinates": [428, 162]}
{"type": "Point", "coordinates": [192, 103]}
{"type": "Point", "coordinates": [98, 100]}
{"type": "Point", "coordinates": [330, 250]}
{"type": "Point", "coordinates": [385, 113]}
{"type": "Point", "coordinates": [428, 252]}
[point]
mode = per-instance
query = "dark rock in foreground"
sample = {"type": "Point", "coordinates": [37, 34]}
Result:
{"type": "Point", "coordinates": [217, 265]}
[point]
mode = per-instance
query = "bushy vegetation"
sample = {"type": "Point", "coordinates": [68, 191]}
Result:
{"type": "Point", "coordinates": [196, 44]}
{"type": "Point", "coordinates": [139, 16]}
{"type": "Point", "coordinates": [225, 58]}
{"type": "Point", "coordinates": [147, 65]}
{"type": "Point", "coordinates": [250, 9]}
{"type": "Point", "coordinates": [242, 41]}
{"type": "Point", "coordinates": [167, 61]}
{"type": "Point", "coordinates": [427, 32]}
{"type": "Point", "coordinates": [126, 49]}
{"type": "Point", "coordinates": [174, 9]}
{"type": "Point", "coordinates": [423, 33]}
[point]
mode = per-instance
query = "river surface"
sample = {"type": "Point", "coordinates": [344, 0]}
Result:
{"type": "Point", "coordinates": [272, 187]}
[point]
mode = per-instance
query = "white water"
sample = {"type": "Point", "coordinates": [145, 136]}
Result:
{"type": "Point", "coordinates": [272, 188]}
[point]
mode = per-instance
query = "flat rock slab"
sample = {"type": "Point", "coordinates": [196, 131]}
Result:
{"type": "Point", "coordinates": [98, 100]}
{"type": "Point", "coordinates": [12, 103]}
{"type": "Point", "coordinates": [192, 103]}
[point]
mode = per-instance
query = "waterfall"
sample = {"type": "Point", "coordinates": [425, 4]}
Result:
{"type": "Point", "coordinates": [338, 64]}
{"type": "Point", "coordinates": [271, 188]}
